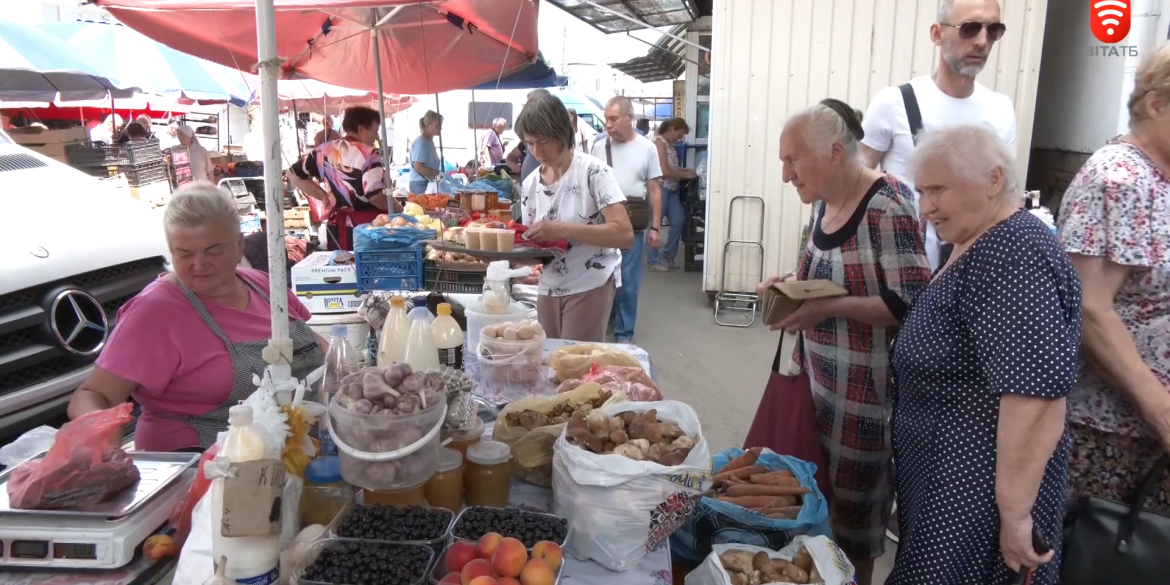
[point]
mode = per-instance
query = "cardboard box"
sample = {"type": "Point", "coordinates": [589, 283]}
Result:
{"type": "Point", "coordinates": [296, 218]}
{"type": "Point", "coordinates": [325, 287]}
{"type": "Point", "coordinates": [27, 136]}
{"type": "Point", "coordinates": [52, 150]}
{"type": "Point", "coordinates": [156, 194]}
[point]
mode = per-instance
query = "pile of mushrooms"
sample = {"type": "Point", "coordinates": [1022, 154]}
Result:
{"type": "Point", "coordinates": [640, 436]}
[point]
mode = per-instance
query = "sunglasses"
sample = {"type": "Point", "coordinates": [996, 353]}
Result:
{"type": "Point", "coordinates": [970, 30]}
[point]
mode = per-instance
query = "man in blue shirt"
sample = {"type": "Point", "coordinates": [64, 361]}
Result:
{"type": "Point", "coordinates": [424, 157]}
{"type": "Point", "coordinates": [642, 126]}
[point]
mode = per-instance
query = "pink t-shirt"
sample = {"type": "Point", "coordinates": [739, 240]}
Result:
{"type": "Point", "coordinates": [180, 365]}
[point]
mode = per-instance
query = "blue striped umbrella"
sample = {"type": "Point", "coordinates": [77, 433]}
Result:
{"type": "Point", "coordinates": [152, 66]}
{"type": "Point", "coordinates": [35, 67]}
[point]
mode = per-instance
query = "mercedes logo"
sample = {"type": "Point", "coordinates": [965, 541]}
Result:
{"type": "Point", "coordinates": [39, 251]}
{"type": "Point", "coordinates": [78, 322]}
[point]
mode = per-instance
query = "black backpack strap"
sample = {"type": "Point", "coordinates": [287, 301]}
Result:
{"type": "Point", "coordinates": [608, 153]}
{"type": "Point", "coordinates": [913, 114]}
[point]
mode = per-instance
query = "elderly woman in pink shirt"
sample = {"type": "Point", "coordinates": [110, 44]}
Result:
{"type": "Point", "coordinates": [187, 346]}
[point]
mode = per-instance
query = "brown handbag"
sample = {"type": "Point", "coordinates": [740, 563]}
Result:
{"type": "Point", "coordinates": [637, 207]}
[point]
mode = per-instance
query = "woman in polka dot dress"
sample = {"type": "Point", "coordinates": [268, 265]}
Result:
{"type": "Point", "coordinates": [1115, 224]}
{"type": "Point", "coordinates": [982, 366]}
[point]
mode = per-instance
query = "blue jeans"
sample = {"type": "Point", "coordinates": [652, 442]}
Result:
{"type": "Point", "coordinates": [625, 302]}
{"type": "Point", "coordinates": [676, 214]}
{"type": "Point", "coordinates": [418, 187]}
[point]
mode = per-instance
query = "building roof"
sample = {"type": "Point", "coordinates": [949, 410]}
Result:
{"type": "Point", "coordinates": [651, 13]}
{"type": "Point", "coordinates": [665, 60]}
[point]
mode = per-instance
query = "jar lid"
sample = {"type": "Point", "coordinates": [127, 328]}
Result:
{"type": "Point", "coordinates": [449, 459]}
{"type": "Point", "coordinates": [489, 453]}
{"type": "Point", "coordinates": [324, 471]}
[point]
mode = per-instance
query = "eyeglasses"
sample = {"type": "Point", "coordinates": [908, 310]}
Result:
{"type": "Point", "coordinates": [970, 30]}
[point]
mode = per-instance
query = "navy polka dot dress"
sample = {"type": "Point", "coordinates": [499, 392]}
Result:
{"type": "Point", "coordinates": [1005, 317]}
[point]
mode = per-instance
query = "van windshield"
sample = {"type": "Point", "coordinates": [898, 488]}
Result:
{"type": "Point", "coordinates": [593, 122]}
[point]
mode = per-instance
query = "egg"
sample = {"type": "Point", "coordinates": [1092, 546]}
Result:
{"type": "Point", "coordinates": [511, 334]}
{"type": "Point", "coordinates": [502, 326]}
{"type": "Point", "coordinates": [537, 328]}
{"type": "Point", "coordinates": [526, 331]}
{"type": "Point", "coordinates": [489, 331]}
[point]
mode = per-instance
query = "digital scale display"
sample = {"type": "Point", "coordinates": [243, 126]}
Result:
{"type": "Point", "coordinates": [39, 549]}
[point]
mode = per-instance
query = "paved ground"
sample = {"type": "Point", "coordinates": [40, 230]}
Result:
{"type": "Point", "coordinates": [720, 371]}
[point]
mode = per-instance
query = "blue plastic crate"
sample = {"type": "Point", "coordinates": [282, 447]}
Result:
{"type": "Point", "coordinates": [389, 270]}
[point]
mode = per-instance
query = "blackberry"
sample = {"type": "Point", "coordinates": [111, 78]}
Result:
{"type": "Point", "coordinates": [360, 563]}
{"type": "Point", "coordinates": [526, 527]}
{"type": "Point", "coordinates": [391, 524]}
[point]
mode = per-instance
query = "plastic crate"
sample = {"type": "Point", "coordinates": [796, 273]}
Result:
{"type": "Point", "coordinates": [440, 279]}
{"type": "Point", "coordinates": [386, 270]}
{"type": "Point", "coordinates": [135, 152]}
{"type": "Point", "coordinates": [695, 229]}
{"type": "Point", "coordinates": [693, 257]}
{"type": "Point", "coordinates": [145, 174]}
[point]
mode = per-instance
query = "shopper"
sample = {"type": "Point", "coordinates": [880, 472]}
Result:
{"type": "Point", "coordinates": [201, 167]}
{"type": "Point", "coordinates": [643, 127]}
{"type": "Point", "coordinates": [326, 133]}
{"type": "Point", "coordinates": [578, 132]}
{"type": "Point", "coordinates": [519, 159]}
{"type": "Point", "coordinates": [865, 236]}
{"type": "Point", "coordinates": [965, 32]}
{"type": "Point", "coordinates": [673, 208]}
{"type": "Point", "coordinates": [424, 157]}
{"type": "Point", "coordinates": [187, 346]}
{"type": "Point", "coordinates": [980, 442]}
{"type": "Point", "coordinates": [352, 180]}
{"type": "Point", "coordinates": [572, 196]}
{"type": "Point", "coordinates": [491, 148]}
{"type": "Point", "coordinates": [634, 162]}
{"type": "Point", "coordinates": [1115, 225]}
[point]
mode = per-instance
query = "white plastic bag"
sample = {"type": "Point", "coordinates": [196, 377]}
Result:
{"type": "Point", "coordinates": [620, 509]}
{"type": "Point", "coordinates": [831, 563]}
{"type": "Point", "coordinates": [432, 187]}
{"type": "Point", "coordinates": [32, 443]}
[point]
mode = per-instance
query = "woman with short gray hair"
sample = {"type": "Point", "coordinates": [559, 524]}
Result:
{"type": "Point", "coordinates": [187, 346]}
{"type": "Point", "coordinates": [572, 197]}
{"type": "Point", "coordinates": [984, 362]}
{"type": "Point", "coordinates": [865, 237]}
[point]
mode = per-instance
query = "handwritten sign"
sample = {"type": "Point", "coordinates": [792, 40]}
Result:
{"type": "Point", "coordinates": [252, 499]}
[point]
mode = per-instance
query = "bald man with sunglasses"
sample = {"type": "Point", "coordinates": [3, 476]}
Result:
{"type": "Point", "coordinates": [965, 33]}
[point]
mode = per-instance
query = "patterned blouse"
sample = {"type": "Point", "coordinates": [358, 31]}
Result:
{"type": "Point", "coordinates": [350, 170]}
{"type": "Point", "coordinates": [671, 161]}
{"type": "Point", "coordinates": [1118, 207]}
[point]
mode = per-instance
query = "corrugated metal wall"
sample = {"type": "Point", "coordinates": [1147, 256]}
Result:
{"type": "Point", "coordinates": [772, 58]}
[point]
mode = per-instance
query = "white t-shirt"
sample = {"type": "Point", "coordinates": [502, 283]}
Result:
{"type": "Point", "coordinates": [578, 197]}
{"type": "Point", "coordinates": [887, 129]}
{"type": "Point", "coordinates": [634, 163]}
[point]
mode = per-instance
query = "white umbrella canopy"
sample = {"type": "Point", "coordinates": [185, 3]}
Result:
{"type": "Point", "coordinates": [36, 67]}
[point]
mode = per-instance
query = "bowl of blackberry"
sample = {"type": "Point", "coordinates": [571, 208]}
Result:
{"type": "Point", "coordinates": [348, 562]}
{"type": "Point", "coordinates": [527, 527]}
{"type": "Point", "coordinates": [408, 524]}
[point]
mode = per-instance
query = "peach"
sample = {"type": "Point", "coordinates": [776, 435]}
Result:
{"type": "Point", "coordinates": [452, 579]}
{"type": "Point", "coordinates": [487, 545]}
{"type": "Point", "coordinates": [484, 581]}
{"type": "Point", "coordinates": [550, 552]}
{"type": "Point", "coordinates": [459, 555]}
{"type": "Point", "coordinates": [507, 581]}
{"type": "Point", "coordinates": [538, 572]}
{"type": "Point", "coordinates": [510, 558]}
{"type": "Point", "coordinates": [476, 569]}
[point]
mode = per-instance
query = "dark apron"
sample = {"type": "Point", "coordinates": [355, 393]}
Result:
{"type": "Point", "coordinates": [246, 362]}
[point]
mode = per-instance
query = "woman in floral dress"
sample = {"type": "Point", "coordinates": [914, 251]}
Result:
{"type": "Point", "coordinates": [1114, 223]}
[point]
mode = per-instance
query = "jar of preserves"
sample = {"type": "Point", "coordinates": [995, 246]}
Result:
{"type": "Point", "coordinates": [461, 441]}
{"type": "Point", "coordinates": [412, 496]}
{"type": "Point", "coordinates": [487, 481]}
{"type": "Point", "coordinates": [445, 488]}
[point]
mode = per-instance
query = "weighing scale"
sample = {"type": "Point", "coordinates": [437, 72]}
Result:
{"type": "Point", "coordinates": [105, 536]}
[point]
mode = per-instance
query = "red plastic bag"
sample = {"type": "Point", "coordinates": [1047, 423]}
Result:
{"type": "Point", "coordinates": [82, 468]}
{"type": "Point", "coordinates": [632, 381]}
{"type": "Point", "coordinates": [181, 513]}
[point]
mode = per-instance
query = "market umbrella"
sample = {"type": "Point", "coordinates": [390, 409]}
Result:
{"type": "Point", "coordinates": [307, 95]}
{"type": "Point", "coordinates": [533, 76]}
{"type": "Point", "coordinates": [34, 67]}
{"type": "Point", "coordinates": [152, 66]}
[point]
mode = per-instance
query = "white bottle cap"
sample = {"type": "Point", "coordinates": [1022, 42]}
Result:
{"type": "Point", "coordinates": [240, 414]}
{"type": "Point", "coordinates": [489, 453]}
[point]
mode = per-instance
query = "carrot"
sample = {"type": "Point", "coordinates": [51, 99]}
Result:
{"type": "Point", "coordinates": [779, 480]}
{"type": "Point", "coordinates": [788, 513]}
{"type": "Point", "coordinates": [748, 458]}
{"type": "Point", "coordinates": [751, 502]}
{"type": "Point", "coordinates": [738, 480]}
{"type": "Point", "coordinates": [781, 502]}
{"type": "Point", "coordinates": [765, 490]}
{"type": "Point", "coordinates": [741, 473]}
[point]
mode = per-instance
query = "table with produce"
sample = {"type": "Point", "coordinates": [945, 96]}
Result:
{"type": "Point", "coordinates": [460, 446]}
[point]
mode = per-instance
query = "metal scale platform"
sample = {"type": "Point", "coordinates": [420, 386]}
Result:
{"type": "Point", "coordinates": [104, 536]}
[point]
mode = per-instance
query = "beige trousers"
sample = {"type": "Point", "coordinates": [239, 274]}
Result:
{"type": "Point", "coordinates": [579, 317]}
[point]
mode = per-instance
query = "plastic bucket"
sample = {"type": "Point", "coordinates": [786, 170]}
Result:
{"type": "Point", "coordinates": [509, 376]}
{"type": "Point", "coordinates": [387, 452]}
{"type": "Point", "coordinates": [477, 320]}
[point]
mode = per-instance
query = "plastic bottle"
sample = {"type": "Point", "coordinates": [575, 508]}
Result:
{"type": "Point", "coordinates": [421, 352]}
{"type": "Point", "coordinates": [340, 361]}
{"type": "Point", "coordinates": [448, 338]}
{"type": "Point", "coordinates": [392, 340]}
{"type": "Point", "coordinates": [254, 560]}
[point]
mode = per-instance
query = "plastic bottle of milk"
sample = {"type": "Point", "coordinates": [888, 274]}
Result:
{"type": "Point", "coordinates": [251, 560]}
{"type": "Point", "coordinates": [392, 341]}
{"type": "Point", "coordinates": [448, 338]}
{"type": "Point", "coordinates": [421, 352]}
{"type": "Point", "coordinates": [340, 361]}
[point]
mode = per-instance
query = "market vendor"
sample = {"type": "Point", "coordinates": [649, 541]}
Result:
{"type": "Point", "coordinates": [572, 196]}
{"type": "Point", "coordinates": [352, 178]}
{"type": "Point", "coordinates": [201, 167]}
{"type": "Point", "coordinates": [186, 347]}
{"type": "Point", "coordinates": [424, 158]}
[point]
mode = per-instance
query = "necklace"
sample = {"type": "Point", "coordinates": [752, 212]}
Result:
{"type": "Point", "coordinates": [844, 205]}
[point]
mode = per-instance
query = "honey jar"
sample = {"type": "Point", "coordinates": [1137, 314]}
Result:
{"type": "Point", "coordinates": [487, 480]}
{"type": "Point", "coordinates": [445, 488]}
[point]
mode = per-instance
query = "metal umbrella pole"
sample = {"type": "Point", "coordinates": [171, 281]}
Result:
{"type": "Point", "coordinates": [442, 158]}
{"type": "Point", "coordinates": [381, 98]}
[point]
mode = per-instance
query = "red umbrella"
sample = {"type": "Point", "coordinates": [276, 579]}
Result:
{"type": "Point", "coordinates": [426, 47]}
{"type": "Point", "coordinates": [307, 95]}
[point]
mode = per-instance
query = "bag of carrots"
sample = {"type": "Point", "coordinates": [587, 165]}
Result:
{"type": "Point", "coordinates": [758, 498]}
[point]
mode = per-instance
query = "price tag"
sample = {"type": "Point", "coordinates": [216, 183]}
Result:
{"type": "Point", "coordinates": [453, 204]}
{"type": "Point", "coordinates": [252, 499]}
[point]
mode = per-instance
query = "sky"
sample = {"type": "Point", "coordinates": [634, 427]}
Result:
{"type": "Point", "coordinates": [565, 39]}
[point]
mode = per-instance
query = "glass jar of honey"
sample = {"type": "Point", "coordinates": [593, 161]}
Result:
{"type": "Point", "coordinates": [397, 498]}
{"type": "Point", "coordinates": [445, 488]}
{"type": "Point", "coordinates": [487, 481]}
{"type": "Point", "coordinates": [461, 441]}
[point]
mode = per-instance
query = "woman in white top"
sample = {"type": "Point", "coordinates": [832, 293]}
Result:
{"type": "Point", "coordinates": [201, 167]}
{"type": "Point", "coordinates": [572, 197]}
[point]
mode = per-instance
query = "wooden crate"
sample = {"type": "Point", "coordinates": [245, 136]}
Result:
{"type": "Point", "coordinates": [155, 194]}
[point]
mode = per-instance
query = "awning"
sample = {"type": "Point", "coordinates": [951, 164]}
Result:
{"type": "Point", "coordinates": [665, 60]}
{"type": "Point", "coordinates": [651, 13]}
